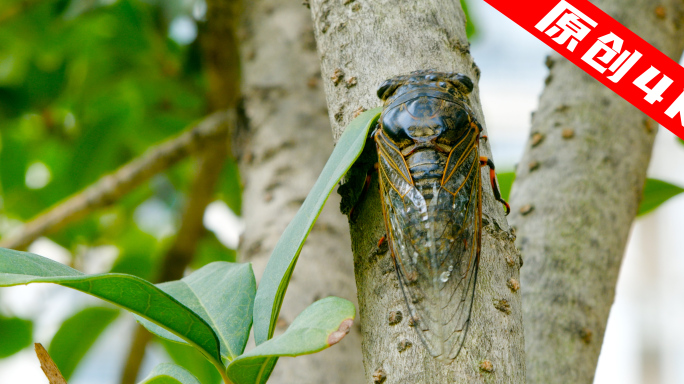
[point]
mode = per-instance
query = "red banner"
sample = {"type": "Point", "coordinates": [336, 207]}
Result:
{"type": "Point", "coordinates": [609, 52]}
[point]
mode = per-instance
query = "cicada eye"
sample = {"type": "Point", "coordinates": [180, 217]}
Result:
{"type": "Point", "coordinates": [462, 82]}
{"type": "Point", "coordinates": [387, 88]}
{"type": "Point", "coordinates": [456, 125]}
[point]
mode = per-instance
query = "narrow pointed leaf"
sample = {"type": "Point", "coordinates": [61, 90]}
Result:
{"type": "Point", "coordinates": [656, 192]}
{"type": "Point", "coordinates": [76, 335]}
{"type": "Point", "coordinates": [222, 294]}
{"type": "Point", "coordinates": [273, 285]}
{"type": "Point", "coordinates": [471, 31]}
{"type": "Point", "coordinates": [322, 324]}
{"type": "Point", "coordinates": [168, 373]}
{"type": "Point", "coordinates": [129, 292]}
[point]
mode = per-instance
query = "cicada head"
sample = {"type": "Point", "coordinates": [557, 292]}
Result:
{"type": "Point", "coordinates": [427, 76]}
{"type": "Point", "coordinates": [425, 107]}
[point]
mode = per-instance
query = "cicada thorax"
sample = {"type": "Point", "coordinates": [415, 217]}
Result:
{"type": "Point", "coordinates": [429, 178]}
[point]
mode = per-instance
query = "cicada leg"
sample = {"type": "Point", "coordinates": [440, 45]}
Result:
{"type": "Point", "coordinates": [380, 248]}
{"type": "Point", "coordinates": [484, 160]}
{"type": "Point", "coordinates": [382, 241]}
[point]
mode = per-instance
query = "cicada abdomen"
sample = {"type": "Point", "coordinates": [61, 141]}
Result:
{"type": "Point", "coordinates": [429, 171]}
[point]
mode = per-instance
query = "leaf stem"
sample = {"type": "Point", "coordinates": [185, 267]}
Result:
{"type": "Point", "coordinates": [223, 371]}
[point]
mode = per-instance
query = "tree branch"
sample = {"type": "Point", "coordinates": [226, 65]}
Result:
{"type": "Point", "coordinates": [361, 44]}
{"type": "Point", "coordinates": [110, 188]}
{"type": "Point", "coordinates": [576, 194]}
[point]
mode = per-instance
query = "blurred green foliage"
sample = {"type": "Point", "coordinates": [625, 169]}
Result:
{"type": "Point", "coordinates": [77, 334]}
{"type": "Point", "coordinates": [16, 334]}
{"type": "Point", "coordinates": [83, 95]}
{"type": "Point", "coordinates": [85, 87]}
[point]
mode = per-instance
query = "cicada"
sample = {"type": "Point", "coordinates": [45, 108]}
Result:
{"type": "Point", "coordinates": [429, 170]}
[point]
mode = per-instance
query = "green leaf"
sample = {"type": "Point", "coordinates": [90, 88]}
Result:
{"type": "Point", "coordinates": [168, 373]}
{"type": "Point", "coordinates": [505, 180]}
{"type": "Point", "coordinates": [222, 294]}
{"type": "Point", "coordinates": [273, 285]}
{"type": "Point", "coordinates": [319, 326]}
{"type": "Point", "coordinates": [470, 27]}
{"type": "Point", "coordinates": [656, 192]}
{"type": "Point", "coordinates": [76, 335]}
{"type": "Point", "coordinates": [129, 292]}
{"type": "Point", "coordinates": [16, 334]}
{"type": "Point", "coordinates": [192, 360]}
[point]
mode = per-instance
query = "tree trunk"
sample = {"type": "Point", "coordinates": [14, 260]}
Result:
{"type": "Point", "coordinates": [577, 191]}
{"type": "Point", "coordinates": [287, 145]}
{"type": "Point", "coordinates": [361, 43]}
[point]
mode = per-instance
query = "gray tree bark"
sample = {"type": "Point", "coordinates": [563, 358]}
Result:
{"type": "Point", "coordinates": [287, 144]}
{"type": "Point", "coordinates": [577, 191]}
{"type": "Point", "coordinates": [361, 43]}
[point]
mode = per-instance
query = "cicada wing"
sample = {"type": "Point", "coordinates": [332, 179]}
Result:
{"type": "Point", "coordinates": [458, 208]}
{"type": "Point", "coordinates": [435, 244]}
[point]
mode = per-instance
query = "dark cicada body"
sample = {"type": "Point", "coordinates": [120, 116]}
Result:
{"type": "Point", "coordinates": [429, 170]}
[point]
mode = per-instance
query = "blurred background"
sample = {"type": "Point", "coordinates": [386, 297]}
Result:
{"type": "Point", "coordinates": [89, 85]}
